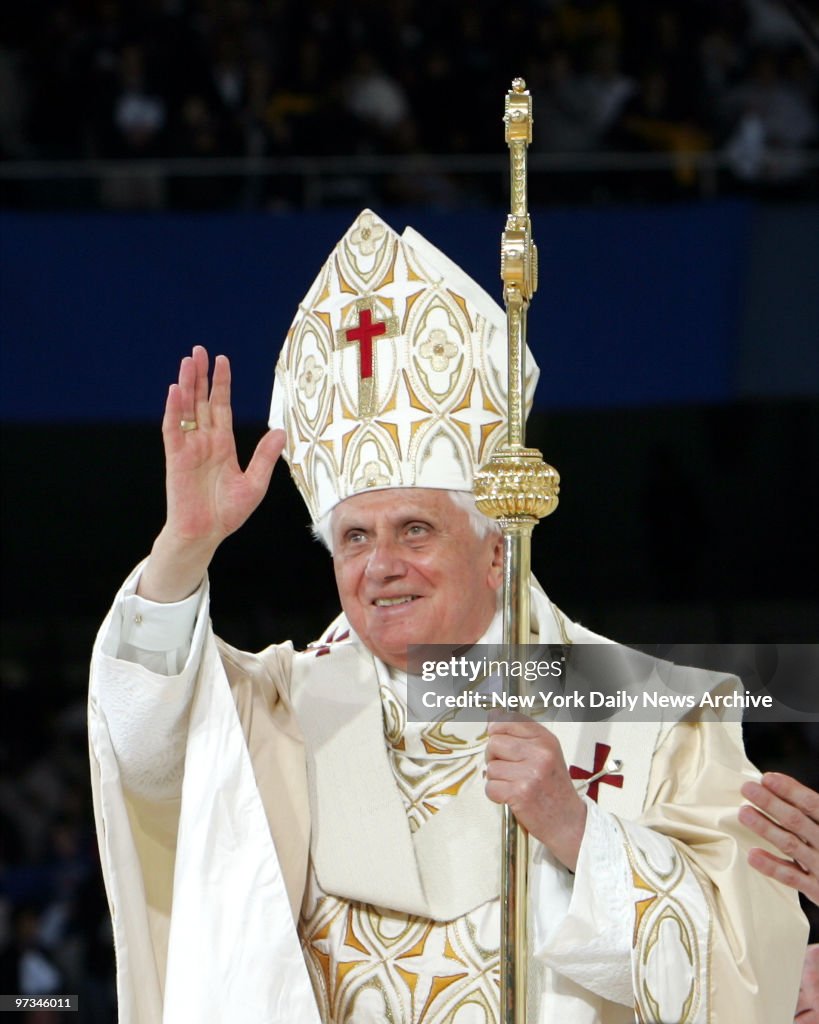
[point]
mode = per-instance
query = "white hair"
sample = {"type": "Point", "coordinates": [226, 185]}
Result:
{"type": "Point", "coordinates": [481, 525]}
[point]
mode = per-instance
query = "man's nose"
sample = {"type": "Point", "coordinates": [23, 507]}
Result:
{"type": "Point", "coordinates": [385, 561]}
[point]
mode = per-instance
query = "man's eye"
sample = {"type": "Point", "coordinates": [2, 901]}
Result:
{"type": "Point", "coordinates": [417, 530]}
{"type": "Point", "coordinates": [355, 537]}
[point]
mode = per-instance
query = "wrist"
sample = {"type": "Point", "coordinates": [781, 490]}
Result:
{"type": "Point", "coordinates": [175, 568]}
{"type": "Point", "coordinates": [566, 846]}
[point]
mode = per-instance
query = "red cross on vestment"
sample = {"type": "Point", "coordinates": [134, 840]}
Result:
{"type": "Point", "coordinates": [331, 639]}
{"type": "Point", "coordinates": [601, 755]}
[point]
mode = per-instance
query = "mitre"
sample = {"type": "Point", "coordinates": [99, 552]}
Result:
{"type": "Point", "coordinates": [393, 373]}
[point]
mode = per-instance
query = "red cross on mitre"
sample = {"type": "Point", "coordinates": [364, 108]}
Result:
{"type": "Point", "coordinates": [362, 332]}
{"type": "Point", "coordinates": [598, 772]}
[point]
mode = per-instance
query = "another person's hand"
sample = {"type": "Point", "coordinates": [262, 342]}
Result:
{"type": "Point", "coordinates": [525, 768]}
{"type": "Point", "coordinates": [807, 1006]}
{"type": "Point", "coordinates": [791, 824]}
{"type": "Point", "coordinates": [209, 496]}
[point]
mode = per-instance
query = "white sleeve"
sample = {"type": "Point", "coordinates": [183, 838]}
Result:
{"type": "Point", "coordinates": [144, 670]}
{"type": "Point", "coordinates": [582, 923]}
{"type": "Point", "coordinates": [157, 636]}
{"type": "Point", "coordinates": [593, 931]}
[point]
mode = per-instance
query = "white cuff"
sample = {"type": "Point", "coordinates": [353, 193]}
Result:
{"type": "Point", "coordinates": [151, 626]}
{"type": "Point", "coordinates": [582, 927]}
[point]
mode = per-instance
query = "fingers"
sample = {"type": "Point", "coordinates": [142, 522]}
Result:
{"type": "Point", "coordinates": [171, 433]}
{"type": "Point", "coordinates": [522, 740]}
{"type": "Point", "coordinates": [184, 401]}
{"type": "Point", "coordinates": [520, 770]}
{"type": "Point", "coordinates": [793, 792]}
{"type": "Point", "coordinates": [501, 791]}
{"type": "Point", "coordinates": [260, 468]}
{"type": "Point", "coordinates": [781, 795]}
{"type": "Point", "coordinates": [181, 404]}
{"type": "Point", "coordinates": [507, 759]}
{"type": "Point", "coordinates": [220, 410]}
{"type": "Point", "coordinates": [214, 408]}
{"type": "Point", "coordinates": [188, 399]}
{"type": "Point", "coordinates": [789, 817]}
{"type": "Point", "coordinates": [785, 871]}
{"type": "Point", "coordinates": [522, 744]}
{"type": "Point", "coordinates": [801, 872]}
{"type": "Point", "coordinates": [201, 405]}
{"type": "Point", "coordinates": [791, 824]}
{"type": "Point", "coordinates": [504, 747]}
{"type": "Point", "coordinates": [523, 728]}
{"type": "Point", "coordinates": [525, 769]}
{"type": "Point", "coordinates": [807, 1006]}
{"type": "Point", "coordinates": [790, 841]}
{"type": "Point", "coordinates": [187, 388]}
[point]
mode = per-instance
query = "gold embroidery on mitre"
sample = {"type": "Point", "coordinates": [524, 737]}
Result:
{"type": "Point", "coordinates": [401, 416]}
{"type": "Point", "coordinates": [411, 300]}
{"type": "Point", "coordinates": [389, 275]}
{"type": "Point", "coordinates": [441, 447]}
{"type": "Point", "coordinates": [440, 348]}
{"type": "Point", "coordinates": [391, 374]}
{"type": "Point", "coordinates": [462, 304]}
{"type": "Point", "coordinates": [311, 376]}
{"type": "Point", "coordinates": [339, 429]}
{"type": "Point", "coordinates": [369, 462]}
{"type": "Point", "coordinates": [306, 374]}
{"type": "Point", "coordinates": [367, 250]}
{"type": "Point", "coordinates": [344, 285]}
{"type": "Point", "coordinates": [477, 418]}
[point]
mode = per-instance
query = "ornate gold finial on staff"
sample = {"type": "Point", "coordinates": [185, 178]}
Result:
{"type": "Point", "coordinates": [517, 488]}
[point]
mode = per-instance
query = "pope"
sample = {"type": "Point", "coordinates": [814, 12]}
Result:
{"type": "Point", "coordinates": [280, 840]}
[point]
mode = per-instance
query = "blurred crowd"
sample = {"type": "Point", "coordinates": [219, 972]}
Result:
{"type": "Point", "coordinates": [205, 78]}
{"type": "Point", "coordinates": [55, 931]}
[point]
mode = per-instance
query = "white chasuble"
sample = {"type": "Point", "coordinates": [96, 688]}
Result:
{"type": "Point", "coordinates": [663, 920]}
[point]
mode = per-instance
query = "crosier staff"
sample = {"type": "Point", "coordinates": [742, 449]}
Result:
{"type": "Point", "coordinates": [517, 488]}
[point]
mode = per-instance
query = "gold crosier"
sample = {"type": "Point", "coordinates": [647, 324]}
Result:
{"type": "Point", "coordinates": [517, 488]}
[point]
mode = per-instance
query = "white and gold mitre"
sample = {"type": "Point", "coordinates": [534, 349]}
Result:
{"type": "Point", "coordinates": [393, 373]}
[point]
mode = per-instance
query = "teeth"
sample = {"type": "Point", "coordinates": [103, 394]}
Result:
{"type": "Point", "coordinates": [386, 602]}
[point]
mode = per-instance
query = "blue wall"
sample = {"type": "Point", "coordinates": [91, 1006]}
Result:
{"type": "Point", "coordinates": [636, 306]}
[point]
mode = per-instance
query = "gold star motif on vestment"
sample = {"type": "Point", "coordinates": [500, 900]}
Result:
{"type": "Point", "coordinates": [425, 981]}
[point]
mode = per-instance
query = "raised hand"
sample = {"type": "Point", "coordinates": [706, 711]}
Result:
{"type": "Point", "coordinates": [209, 496]}
{"type": "Point", "coordinates": [790, 823]}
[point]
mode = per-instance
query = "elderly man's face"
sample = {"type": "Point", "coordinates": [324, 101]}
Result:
{"type": "Point", "coordinates": [410, 570]}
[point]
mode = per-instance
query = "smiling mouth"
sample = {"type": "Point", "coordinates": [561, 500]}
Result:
{"type": "Point", "coordinates": [389, 602]}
